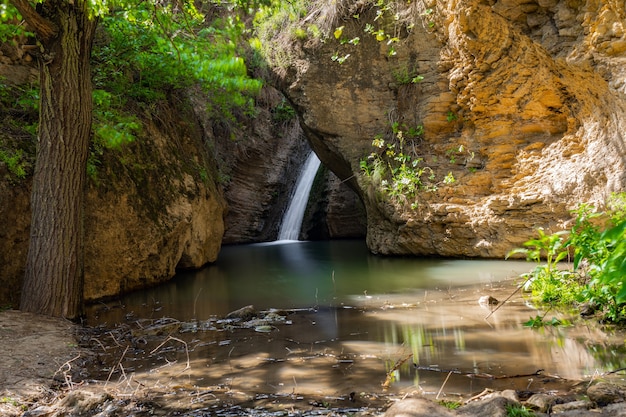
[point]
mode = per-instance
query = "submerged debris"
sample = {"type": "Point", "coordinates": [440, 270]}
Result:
{"type": "Point", "coordinates": [487, 300]}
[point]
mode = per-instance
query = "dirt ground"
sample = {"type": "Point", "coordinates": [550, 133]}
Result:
{"type": "Point", "coordinates": [36, 353]}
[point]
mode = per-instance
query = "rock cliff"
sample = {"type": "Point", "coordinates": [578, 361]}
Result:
{"type": "Point", "coordinates": [151, 207]}
{"type": "Point", "coordinates": [463, 125]}
{"type": "Point", "coordinates": [154, 207]}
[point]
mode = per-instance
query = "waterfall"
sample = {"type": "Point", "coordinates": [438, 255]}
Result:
{"type": "Point", "coordinates": [292, 220]}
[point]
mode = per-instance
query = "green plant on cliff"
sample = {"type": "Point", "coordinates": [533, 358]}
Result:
{"type": "Point", "coordinates": [15, 162]}
{"type": "Point", "coordinates": [345, 22]}
{"type": "Point", "coordinates": [406, 76]}
{"type": "Point", "coordinates": [395, 167]}
{"type": "Point", "coordinates": [597, 278]}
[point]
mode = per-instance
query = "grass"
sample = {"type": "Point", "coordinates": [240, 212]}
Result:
{"type": "Point", "coordinates": [517, 410]}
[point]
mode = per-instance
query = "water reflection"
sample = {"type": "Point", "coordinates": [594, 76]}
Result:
{"type": "Point", "coordinates": [362, 315]}
{"type": "Point", "coordinates": [301, 274]}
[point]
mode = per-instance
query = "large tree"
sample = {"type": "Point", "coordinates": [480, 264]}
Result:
{"type": "Point", "coordinates": [53, 281]}
{"type": "Point", "coordinates": [65, 30]}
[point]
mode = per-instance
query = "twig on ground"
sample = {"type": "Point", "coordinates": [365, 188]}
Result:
{"type": "Point", "coordinates": [119, 363]}
{"type": "Point", "coordinates": [178, 340]}
{"type": "Point", "coordinates": [443, 385]}
{"type": "Point", "coordinates": [66, 372]}
{"type": "Point", "coordinates": [99, 342]}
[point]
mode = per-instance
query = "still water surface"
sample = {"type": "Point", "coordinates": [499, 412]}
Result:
{"type": "Point", "coordinates": [297, 274]}
{"type": "Point", "coordinates": [361, 315]}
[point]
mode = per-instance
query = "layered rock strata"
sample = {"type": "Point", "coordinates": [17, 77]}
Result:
{"type": "Point", "coordinates": [514, 110]}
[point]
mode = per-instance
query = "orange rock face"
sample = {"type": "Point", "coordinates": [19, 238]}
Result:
{"type": "Point", "coordinates": [521, 102]}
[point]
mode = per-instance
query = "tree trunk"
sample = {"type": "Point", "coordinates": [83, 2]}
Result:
{"type": "Point", "coordinates": [53, 282]}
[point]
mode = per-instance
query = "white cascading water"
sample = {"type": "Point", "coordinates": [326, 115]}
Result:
{"type": "Point", "coordinates": [292, 220]}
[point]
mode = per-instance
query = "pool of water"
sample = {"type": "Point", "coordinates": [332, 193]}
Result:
{"type": "Point", "coordinates": [295, 274]}
{"type": "Point", "coordinates": [356, 321]}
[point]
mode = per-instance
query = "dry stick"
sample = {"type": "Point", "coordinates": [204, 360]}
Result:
{"type": "Point", "coordinates": [178, 340]}
{"type": "Point", "coordinates": [66, 376]}
{"type": "Point", "coordinates": [115, 340]}
{"type": "Point", "coordinates": [519, 287]}
{"type": "Point", "coordinates": [398, 364]}
{"type": "Point", "coordinates": [443, 385]}
{"type": "Point", "coordinates": [99, 342]}
{"type": "Point", "coordinates": [118, 364]}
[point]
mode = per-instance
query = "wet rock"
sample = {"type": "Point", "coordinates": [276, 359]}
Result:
{"type": "Point", "coordinates": [510, 394]}
{"type": "Point", "coordinates": [244, 313]}
{"type": "Point", "coordinates": [604, 393]}
{"type": "Point", "coordinates": [417, 407]}
{"type": "Point", "coordinates": [493, 407]}
{"type": "Point", "coordinates": [487, 300]}
{"type": "Point", "coordinates": [40, 411]}
{"type": "Point", "coordinates": [572, 406]}
{"type": "Point", "coordinates": [540, 402]}
{"type": "Point", "coordinates": [614, 410]}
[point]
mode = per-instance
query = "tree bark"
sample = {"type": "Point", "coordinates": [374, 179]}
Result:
{"type": "Point", "coordinates": [53, 281]}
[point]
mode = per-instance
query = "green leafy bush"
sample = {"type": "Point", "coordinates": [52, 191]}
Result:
{"type": "Point", "coordinates": [15, 162]}
{"type": "Point", "coordinates": [145, 53]}
{"type": "Point", "coordinates": [597, 241]}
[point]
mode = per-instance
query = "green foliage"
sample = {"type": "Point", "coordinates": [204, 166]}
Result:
{"type": "Point", "coordinates": [450, 405]}
{"type": "Point", "coordinates": [149, 50]}
{"type": "Point", "coordinates": [449, 179]}
{"type": "Point", "coordinates": [597, 241]}
{"type": "Point", "coordinates": [518, 410]}
{"type": "Point", "coordinates": [15, 162]}
{"type": "Point", "coordinates": [406, 76]}
{"type": "Point", "coordinates": [19, 105]}
{"type": "Point", "coordinates": [11, 25]}
{"type": "Point", "coordinates": [539, 322]}
{"type": "Point", "coordinates": [395, 166]}
{"type": "Point", "coordinates": [278, 19]}
{"type": "Point", "coordinates": [339, 59]}
{"type": "Point", "coordinates": [455, 153]}
{"type": "Point", "coordinates": [548, 247]}
{"type": "Point", "coordinates": [283, 112]}
{"type": "Point", "coordinates": [113, 128]}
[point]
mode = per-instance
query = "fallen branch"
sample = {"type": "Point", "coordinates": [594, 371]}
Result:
{"type": "Point", "coordinates": [390, 377]}
{"type": "Point", "coordinates": [475, 374]}
{"type": "Point", "coordinates": [443, 385]}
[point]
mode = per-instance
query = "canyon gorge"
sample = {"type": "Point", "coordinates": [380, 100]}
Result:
{"type": "Point", "coordinates": [514, 112]}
